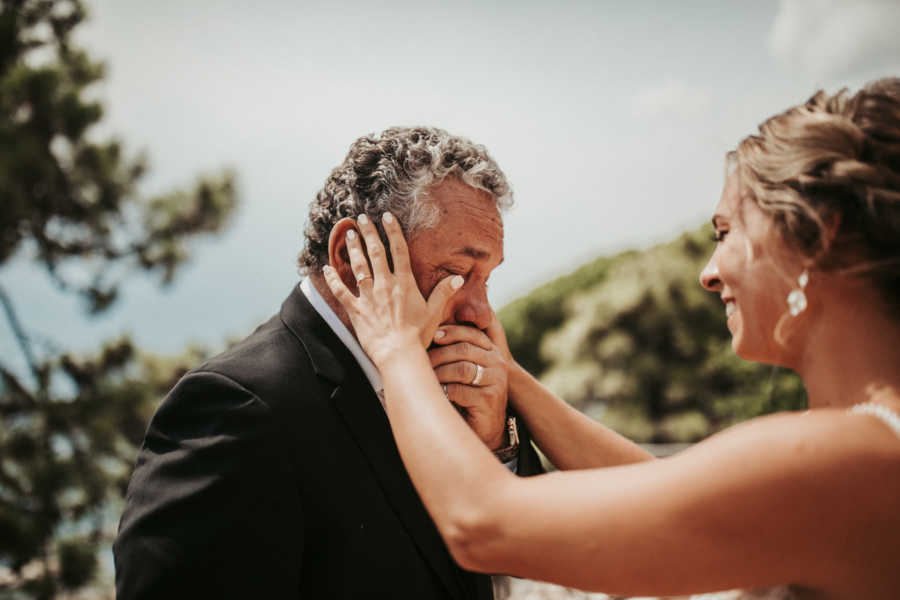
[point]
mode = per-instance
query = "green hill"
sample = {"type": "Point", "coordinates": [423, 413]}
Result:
{"type": "Point", "coordinates": [634, 341]}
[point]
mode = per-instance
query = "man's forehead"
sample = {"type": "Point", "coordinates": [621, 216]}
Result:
{"type": "Point", "coordinates": [437, 241]}
{"type": "Point", "coordinates": [448, 242]}
{"type": "Point", "coordinates": [469, 225]}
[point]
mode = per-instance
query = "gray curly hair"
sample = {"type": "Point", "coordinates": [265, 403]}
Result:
{"type": "Point", "coordinates": [392, 171]}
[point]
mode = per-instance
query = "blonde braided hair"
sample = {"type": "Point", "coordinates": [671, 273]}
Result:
{"type": "Point", "coordinates": [828, 173]}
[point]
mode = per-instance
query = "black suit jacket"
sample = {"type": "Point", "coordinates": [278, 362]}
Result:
{"type": "Point", "coordinates": [271, 472]}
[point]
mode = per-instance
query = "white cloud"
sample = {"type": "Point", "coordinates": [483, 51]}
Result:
{"type": "Point", "coordinates": [671, 99]}
{"type": "Point", "coordinates": [829, 38]}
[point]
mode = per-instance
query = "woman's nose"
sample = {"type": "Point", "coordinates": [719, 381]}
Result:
{"type": "Point", "coordinates": [709, 276]}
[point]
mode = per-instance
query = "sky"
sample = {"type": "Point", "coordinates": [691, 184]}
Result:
{"type": "Point", "coordinates": [610, 119]}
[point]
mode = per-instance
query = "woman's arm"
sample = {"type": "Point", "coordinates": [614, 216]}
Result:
{"type": "Point", "coordinates": [569, 438]}
{"type": "Point", "coordinates": [785, 499]}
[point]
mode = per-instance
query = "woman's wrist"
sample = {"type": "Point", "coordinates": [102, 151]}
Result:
{"type": "Point", "coordinates": [517, 379]}
{"type": "Point", "coordinates": [390, 348]}
{"type": "Point", "coordinates": [399, 357]}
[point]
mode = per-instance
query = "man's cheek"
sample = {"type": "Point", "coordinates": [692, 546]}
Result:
{"type": "Point", "coordinates": [426, 283]}
{"type": "Point", "coordinates": [426, 288]}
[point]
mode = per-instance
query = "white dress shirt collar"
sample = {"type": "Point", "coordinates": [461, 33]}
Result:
{"type": "Point", "coordinates": [340, 330]}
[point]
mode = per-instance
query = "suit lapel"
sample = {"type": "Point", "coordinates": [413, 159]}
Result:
{"type": "Point", "coordinates": [361, 411]}
{"type": "Point", "coordinates": [366, 420]}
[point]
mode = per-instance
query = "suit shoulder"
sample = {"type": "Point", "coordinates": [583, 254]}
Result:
{"type": "Point", "coordinates": [270, 363]}
{"type": "Point", "coordinates": [205, 403]}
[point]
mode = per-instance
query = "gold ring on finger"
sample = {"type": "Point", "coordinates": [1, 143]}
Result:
{"type": "Point", "coordinates": [361, 276]}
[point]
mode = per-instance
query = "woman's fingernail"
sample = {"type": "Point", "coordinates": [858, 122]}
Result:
{"type": "Point", "coordinates": [362, 219]}
{"type": "Point", "coordinates": [457, 282]}
{"type": "Point", "coordinates": [351, 235]}
{"type": "Point", "coordinates": [387, 217]}
{"type": "Point", "coordinates": [327, 269]}
{"type": "Point", "coordinates": [439, 334]}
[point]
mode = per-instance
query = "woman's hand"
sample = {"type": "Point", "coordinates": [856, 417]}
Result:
{"type": "Point", "coordinates": [389, 316]}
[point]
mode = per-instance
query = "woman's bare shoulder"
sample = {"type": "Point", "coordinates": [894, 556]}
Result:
{"type": "Point", "coordinates": [825, 436]}
{"type": "Point", "coordinates": [822, 463]}
{"type": "Point", "coordinates": [800, 482]}
{"type": "Point", "coordinates": [821, 442]}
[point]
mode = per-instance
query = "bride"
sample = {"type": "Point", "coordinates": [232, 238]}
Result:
{"type": "Point", "coordinates": [807, 265]}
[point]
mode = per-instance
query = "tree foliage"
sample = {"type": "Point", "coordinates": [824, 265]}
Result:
{"type": "Point", "coordinates": [70, 204]}
{"type": "Point", "coordinates": [634, 341]}
{"type": "Point", "coordinates": [527, 319]}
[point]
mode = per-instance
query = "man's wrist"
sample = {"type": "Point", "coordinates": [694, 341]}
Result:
{"type": "Point", "coordinates": [511, 449]}
{"type": "Point", "coordinates": [498, 442]}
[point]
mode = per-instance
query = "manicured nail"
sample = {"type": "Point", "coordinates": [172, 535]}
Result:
{"type": "Point", "coordinates": [351, 235]}
{"type": "Point", "coordinates": [439, 334]}
{"type": "Point", "coordinates": [362, 219]}
{"type": "Point", "coordinates": [457, 282]}
{"type": "Point", "coordinates": [387, 217]}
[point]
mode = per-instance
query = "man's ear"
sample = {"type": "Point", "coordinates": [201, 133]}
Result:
{"type": "Point", "coordinates": [338, 257]}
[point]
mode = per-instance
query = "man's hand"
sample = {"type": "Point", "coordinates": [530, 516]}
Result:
{"type": "Point", "coordinates": [458, 352]}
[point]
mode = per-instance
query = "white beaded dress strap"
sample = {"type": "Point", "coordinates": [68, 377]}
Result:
{"type": "Point", "coordinates": [890, 418]}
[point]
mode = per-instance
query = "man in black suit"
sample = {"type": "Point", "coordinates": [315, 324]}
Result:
{"type": "Point", "coordinates": [270, 471]}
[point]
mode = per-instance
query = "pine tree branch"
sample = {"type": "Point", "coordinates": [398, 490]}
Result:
{"type": "Point", "coordinates": [21, 337]}
{"type": "Point", "coordinates": [16, 393]}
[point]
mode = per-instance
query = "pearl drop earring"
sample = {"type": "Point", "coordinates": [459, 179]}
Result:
{"type": "Point", "coordinates": [797, 298]}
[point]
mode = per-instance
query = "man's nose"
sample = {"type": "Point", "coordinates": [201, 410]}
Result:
{"type": "Point", "coordinates": [709, 276]}
{"type": "Point", "coordinates": [472, 306]}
